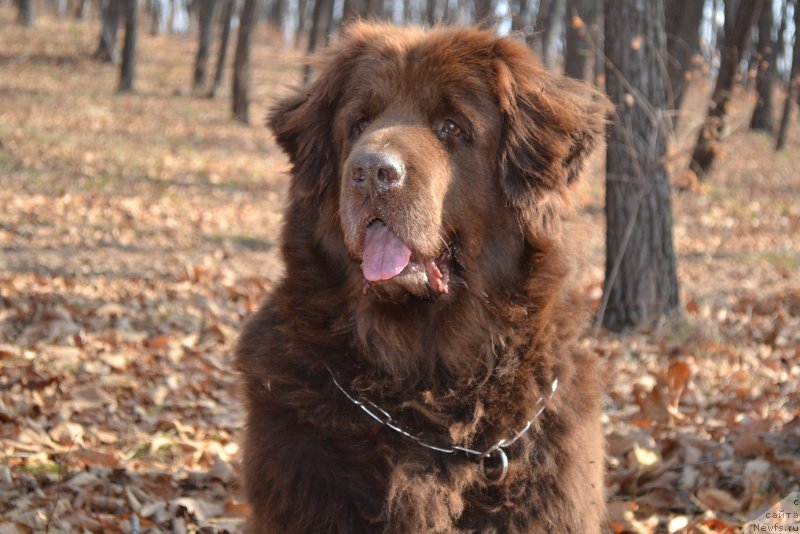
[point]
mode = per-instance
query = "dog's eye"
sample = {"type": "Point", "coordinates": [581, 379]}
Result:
{"type": "Point", "coordinates": [359, 126]}
{"type": "Point", "coordinates": [450, 128]}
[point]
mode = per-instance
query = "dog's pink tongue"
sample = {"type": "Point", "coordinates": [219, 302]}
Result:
{"type": "Point", "coordinates": [385, 256]}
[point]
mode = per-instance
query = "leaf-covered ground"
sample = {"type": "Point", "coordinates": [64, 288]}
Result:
{"type": "Point", "coordinates": [137, 231]}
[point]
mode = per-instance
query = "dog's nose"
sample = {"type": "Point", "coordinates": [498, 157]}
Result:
{"type": "Point", "coordinates": [377, 170]}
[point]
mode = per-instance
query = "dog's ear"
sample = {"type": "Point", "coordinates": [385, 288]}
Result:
{"type": "Point", "coordinates": [550, 125]}
{"type": "Point", "coordinates": [303, 122]}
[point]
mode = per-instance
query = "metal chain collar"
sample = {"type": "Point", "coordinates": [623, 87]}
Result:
{"type": "Point", "coordinates": [383, 417]}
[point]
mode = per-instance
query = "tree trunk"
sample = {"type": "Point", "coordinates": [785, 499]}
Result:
{"type": "Point", "coordinates": [599, 39]}
{"type": "Point", "coordinates": [765, 50]}
{"type": "Point", "coordinates": [640, 284]}
{"type": "Point", "coordinates": [110, 16]}
{"type": "Point", "coordinates": [160, 12]}
{"type": "Point", "coordinates": [733, 47]}
{"type": "Point", "coordinates": [430, 12]}
{"type": "Point", "coordinates": [127, 71]}
{"type": "Point", "coordinates": [579, 50]}
{"type": "Point", "coordinates": [794, 81]}
{"type": "Point", "coordinates": [328, 19]}
{"type": "Point", "coordinates": [552, 32]}
{"type": "Point", "coordinates": [540, 23]}
{"type": "Point", "coordinates": [82, 9]}
{"type": "Point", "coordinates": [206, 10]}
{"type": "Point", "coordinates": [780, 45]}
{"type": "Point", "coordinates": [222, 54]}
{"type": "Point", "coordinates": [521, 21]}
{"type": "Point", "coordinates": [25, 17]}
{"type": "Point", "coordinates": [683, 18]}
{"type": "Point", "coordinates": [320, 6]}
{"type": "Point", "coordinates": [484, 13]}
{"type": "Point", "coordinates": [241, 65]}
{"type": "Point", "coordinates": [302, 7]}
{"type": "Point", "coordinates": [349, 12]}
{"type": "Point", "coordinates": [730, 8]}
{"type": "Point", "coordinates": [276, 11]}
{"type": "Point", "coordinates": [446, 12]}
{"type": "Point", "coordinates": [525, 23]}
{"type": "Point", "coordinates": [364, 9]}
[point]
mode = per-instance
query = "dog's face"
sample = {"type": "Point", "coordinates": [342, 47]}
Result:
{"type": "Point", "coordinates": [445, 153]}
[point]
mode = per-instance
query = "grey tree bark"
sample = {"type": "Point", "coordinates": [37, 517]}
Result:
{"type": "Point", "coordinates": [321, 8]}
{"type": "Point", "coordinates": [276, 13]}
{"type": "Point", "coordinates": [25, 12]}
{"type": "Point", "coordinates": [302, 19]}
{"type": "Point", "coordinates": [110, 17]}
{"type": "Point", "coordinates": [794, 82]}
{"type": "Point", "coordinates": [82, 9]}
{"type": "Point", "coordinates": [222, 54]}
{"type": "Point", "coordinates": [550, 22]}
{"type": "Point", "coordinates": [736, 36]}
{"type": "Point", "coordinates": [484, 16]}
{"type": "Point", "coordinates": [365, 9]}
{"type": "Point", "coordinates": [241, 66]}
{"type": "Point", "coordinates": [780, 45]}
{"type": "Point", "coordinates": [765, 59]}
{"type": "Point", "coordinates": [683, 18]}
{"type": "Point", "coordinates": [520, 20]}
{"type": "Point", "coordinates": [206, 10]}
{"type": "Point", "coordinates": [524, 22]}
{"type": "Point", "coordinates": [641, 284]}
{"type": "Point", "coordinates": [127, 72]}
{"type": "Point", "coordinates": [581, 27]}
{"type": "Point", "coordinates": [430, 12]}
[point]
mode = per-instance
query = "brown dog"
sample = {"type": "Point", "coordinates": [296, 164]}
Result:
{"type": "Point", "coordinates": [402, 377]}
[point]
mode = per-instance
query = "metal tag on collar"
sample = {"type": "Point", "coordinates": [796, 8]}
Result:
{"type": "Point", "coordinates": [498, 474]}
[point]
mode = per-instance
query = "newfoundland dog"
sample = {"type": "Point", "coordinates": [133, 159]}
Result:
{"type": "Point", "coordinates": [416, 369]}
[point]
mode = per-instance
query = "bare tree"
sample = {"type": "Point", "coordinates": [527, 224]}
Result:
{"type": "Point", "coordinates": [780, 45]}
{"type": "Point", "coordinates": [82, 9]}
{"type": "Point", "coordinates": [641, 282]}
{"type": "Point", "coordinates": [579, 49]}
{"type": "Point", "coordinates": [365, 9]}
{"type": "Point", "coordinates": [322, 8]}
{"type": "Point", "coordinates": [730, 7]}
{"type": "Point", "coordinates": [25, 10]}
{"type": "Point", "coordinates": [225, 24]}
{"type": "Point", "coordinates": [736, 35]}
{"type": "Point", "coordinates": [127, 71]}
{"type": "Point", "coordinates": [683, 18]}
{"type": "Point", "coordinates": [276, 13]}
{"type": "Point", "coordinates": [765, 59]}
{"type": "Point", "coordinates": [794, 81]}
{"type": "Point", "coordinates": [521, 20]}
{"type": "Point", "coordinates": [110, 17]}
{"type": "Point", "coordinates": [160, 12]}
{"type": "Point", "coordinates": [302, 5]}
{"type": "Point", "coordinates": [549, 21]}
{"type": "Point", "coordinates": [241, 66]}
{"type": "Point", "coordinates": [430, 12]}
{"type": "Point", "coordinates": [206, 10]}
{"type": "Point", "coordinates": [484, 15]}
{"type": "Point", "coordinates": [407, 11]}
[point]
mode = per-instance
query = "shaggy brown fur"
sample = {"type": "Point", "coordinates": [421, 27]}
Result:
{"type": "Point", "coordinates": [462, 148]}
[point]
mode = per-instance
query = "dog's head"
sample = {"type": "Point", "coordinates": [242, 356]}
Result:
{"type": "Point", "coordinates": [445, 152]}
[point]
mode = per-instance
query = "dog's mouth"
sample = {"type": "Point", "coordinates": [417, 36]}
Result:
{"type": "Point", "coordinates": [386, 258]}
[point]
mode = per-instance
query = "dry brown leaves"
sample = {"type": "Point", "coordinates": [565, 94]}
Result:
{"type": "Point", "coordinates": [137, 232]}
